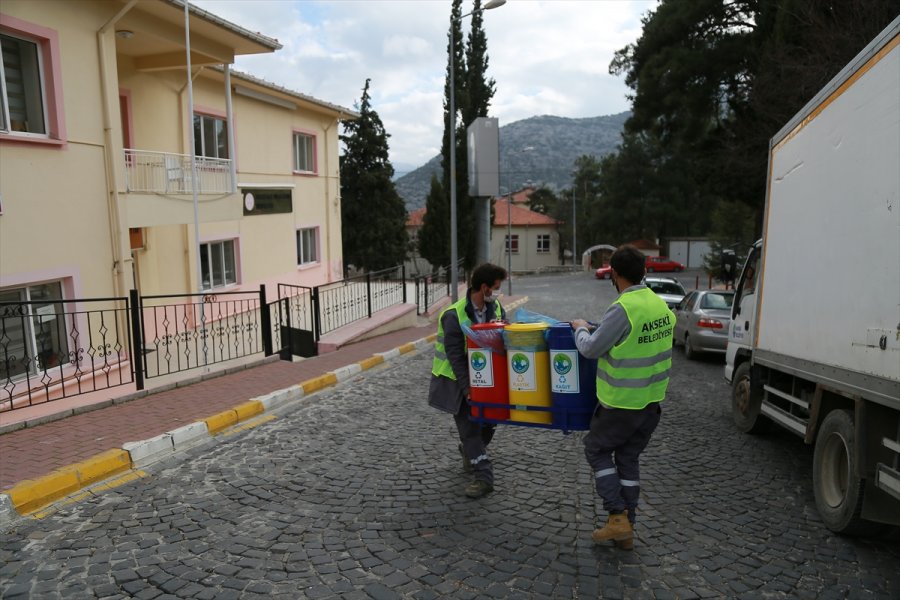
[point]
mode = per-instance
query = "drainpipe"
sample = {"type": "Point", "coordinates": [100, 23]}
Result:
{"type": "Point", "coordinates": [117, 234]}
{"type": "Point", "coordinates": [328, 207]}
{"type": "Point", "coordinates": [229, 115]}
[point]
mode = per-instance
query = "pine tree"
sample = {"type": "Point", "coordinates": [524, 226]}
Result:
{"type": "Point", "coordinates": [373, 215]}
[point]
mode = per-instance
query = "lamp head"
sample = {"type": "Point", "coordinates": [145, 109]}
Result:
{"type": "Point", "coordinates": [494, 4]}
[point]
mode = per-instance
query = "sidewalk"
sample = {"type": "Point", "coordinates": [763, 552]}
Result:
{"type": "Point", "coordinates": [34, 452]}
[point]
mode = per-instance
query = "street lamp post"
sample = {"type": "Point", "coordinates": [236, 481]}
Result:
{"type": "Point", "coordinates": [574, 229]}
{"type": "Point", "coordinates": [454, 276]}
{"type": "Point", "coordinates": [509, 244]}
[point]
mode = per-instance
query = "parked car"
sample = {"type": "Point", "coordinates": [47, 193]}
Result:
{"type": "Point", "coordinates": [658, 264]}
{"type": "Point", "coordinates": [667, 288]}
{"type": "Point", "coordinates": [604, 272]}
{"type": "Point", "coordinates": [702, 321]}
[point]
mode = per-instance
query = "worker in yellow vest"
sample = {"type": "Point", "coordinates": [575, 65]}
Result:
{"type": "Point", "coordinates": [633, 348]}
{"type": "Point", "coordinates": [449, 388]}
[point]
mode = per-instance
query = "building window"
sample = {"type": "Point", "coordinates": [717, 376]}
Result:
{"type": "Point", "coordinates": [210, 136]}
{"type": "Point", "coordinates": [217, 264]}
{"type": "Point", "coordinates": [33, 336]}
{"type": "Point", "coordinates": [307, 246]}
{"type": "Point", "coordinates": [515, 244]}
{"type": "Point", "coordinates": [22, 107]}
{"type": "Point", "coordinates": [304, 153]}
{"type": "Point", "coordinates": [543, 243]}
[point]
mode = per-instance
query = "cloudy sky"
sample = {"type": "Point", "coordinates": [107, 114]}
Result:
{"type": "Point", "coordinates": [547, 57]}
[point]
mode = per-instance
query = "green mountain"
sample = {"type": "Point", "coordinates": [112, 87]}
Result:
{"type": "Point", "coordinates": [540, 150]}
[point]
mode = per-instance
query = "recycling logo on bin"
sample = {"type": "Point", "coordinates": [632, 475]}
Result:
{"type": "Point", "coordinates": [564, 375]}
{"type": "Point", "coordinates": [521, 376]}
{"type": "Point", "coordinates": [481, 372]}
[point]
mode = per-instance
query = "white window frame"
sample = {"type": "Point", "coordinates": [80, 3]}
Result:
{"type": "Point", "coordinates": [302, 260]}
{"type": "Point", "coordinates": [202, 150]}
{"type": "Point", "coordinates": [216, 250]}
{"type": "Point", "coordinates": [29, 335]}
{"type": "Point", "coordinates": [5, 119]}
{"type": "Point", "coordinates": [515, 243]}
{"type": "Point", "coordinates": [543, 243]}
{"type": "Point", "coordinates": [310, 154]}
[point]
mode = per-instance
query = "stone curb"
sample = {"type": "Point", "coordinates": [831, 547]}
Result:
{"type": "Point", "coordinates": [29, 496]}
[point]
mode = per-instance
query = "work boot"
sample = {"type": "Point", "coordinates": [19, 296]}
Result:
{"type": "Point", "coordinates": [467, 464]}
{"type": "Point", "coordinates": [618, 528]}
{"type": "Point", "coordinates": [478, 488]}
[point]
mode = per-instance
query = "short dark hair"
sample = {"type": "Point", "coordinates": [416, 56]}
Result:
{"type": "Point", "coordinates": [486, 273]}
{"type": "Point", "coordinates": [628, 262]}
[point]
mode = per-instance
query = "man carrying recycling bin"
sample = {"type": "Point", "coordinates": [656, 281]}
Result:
{"type": "Point", "coordinates": [633, 348]}
{"type": "Point", "coordinates": [449, 388]}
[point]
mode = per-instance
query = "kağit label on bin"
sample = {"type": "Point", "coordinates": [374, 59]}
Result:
{"type": "Point", "coordinates": [564, 372]}
{"type": "Point", "coordinates": [481, 368]}
{"type": "Point", "coordinates": [521, 371]}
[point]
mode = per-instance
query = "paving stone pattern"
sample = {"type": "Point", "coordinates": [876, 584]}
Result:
{"type": "Point", "coordinates": [359, 494]}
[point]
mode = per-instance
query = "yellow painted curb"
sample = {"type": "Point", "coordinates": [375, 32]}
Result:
{"type": "Point", "coordinates": [371, 362]}
{"type": "Point", "coordinates": [409, 347]}
{"type": "Point", "coordinates": [248, 409]}
{"type": "Point", "coordinates": [220, 421]}
{"type": "Point", "coordinates": [317, 383]}
{"type": "Point", "coordinates": [431, 338]}
{"type": "Point", "coordinates": [102, 465]}
{"type": "Point", "coordinates": [31, 494]}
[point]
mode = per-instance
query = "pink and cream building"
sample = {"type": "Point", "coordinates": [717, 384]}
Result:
{"type": "Point", "coordinates": [97, 185]}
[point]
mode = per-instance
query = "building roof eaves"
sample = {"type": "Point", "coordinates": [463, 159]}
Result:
{"type": "Point", "coordinates": [344, 113]}
{"type": "Point", "coordinates": [216, 20]}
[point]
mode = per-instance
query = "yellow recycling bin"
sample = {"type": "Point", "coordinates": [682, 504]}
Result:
{"type": "Point", "coordinates": [528, 364]}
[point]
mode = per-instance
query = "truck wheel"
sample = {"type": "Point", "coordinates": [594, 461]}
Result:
{"type": "Point", "coordinates": [746, 402]}
{"type": "Point", "coordinates": [836, 483]}
{"type": "Point", "coordinates": [688, 349]}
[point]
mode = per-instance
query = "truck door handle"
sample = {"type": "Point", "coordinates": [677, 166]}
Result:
{"type": "Point", "coordinates": [746, 325]}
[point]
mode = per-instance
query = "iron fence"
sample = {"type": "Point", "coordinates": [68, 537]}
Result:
{"type": "Point", "coordinates": [187, 331]}
{"type": "Point", "coordinates": [435, 286]}
{"type": "Point", "coordinates": [343, 302]}
{"type": "Point", "coordinates": [52, 349]}
{"type": "Point", "coordinates": [294, 321]}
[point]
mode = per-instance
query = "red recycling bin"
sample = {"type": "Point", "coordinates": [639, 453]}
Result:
{"type": "Point", "coordinates": [488, 378]}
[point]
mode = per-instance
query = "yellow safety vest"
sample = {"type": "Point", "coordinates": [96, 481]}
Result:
{"type": "Point", "coordinates": [635, 372]}
{"type": "Point", "coordinates": [440, 365]}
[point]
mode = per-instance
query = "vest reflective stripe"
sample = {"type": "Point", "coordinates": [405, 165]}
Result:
{"type": "Point", "coordinates": [636, 371]}
{"type": "Point", "coordinates": [440, 365]}
{"type": "Point", "coordinates": [624, 363]}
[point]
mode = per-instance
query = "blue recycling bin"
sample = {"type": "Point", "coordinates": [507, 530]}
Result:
{"type": "Point", "coordinates": [572, 381]}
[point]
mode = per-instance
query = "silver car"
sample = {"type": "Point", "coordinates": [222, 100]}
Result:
{"type": "Point", "coordinates": [702, 321]}
{"type": "Point", "coordinates": [667, 288]}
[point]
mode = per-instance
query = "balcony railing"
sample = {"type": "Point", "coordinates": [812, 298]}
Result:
{"type": "Point", "coordinates": [167, 173]}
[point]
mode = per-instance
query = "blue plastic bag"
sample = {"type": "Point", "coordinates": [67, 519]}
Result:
{"type": "Point", "coordinates": [490, 339]}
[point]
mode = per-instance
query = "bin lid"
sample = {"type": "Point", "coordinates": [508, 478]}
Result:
{"type": "Point", "coordinates": [523, 327]}
{"type": "Point", "coordinates": [494, 325]}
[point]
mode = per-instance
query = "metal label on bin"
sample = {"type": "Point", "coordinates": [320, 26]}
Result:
{"type": "Point", "coordinates": [481, 368]}
{"type": "Point", "coordinates": [564, 372]}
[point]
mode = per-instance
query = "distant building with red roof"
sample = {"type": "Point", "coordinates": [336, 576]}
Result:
{"type": "Point", "coordinates": [535, 239]}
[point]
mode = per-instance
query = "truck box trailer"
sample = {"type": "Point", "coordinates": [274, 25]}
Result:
{"type": "Point", "coordinates": [814, 341]}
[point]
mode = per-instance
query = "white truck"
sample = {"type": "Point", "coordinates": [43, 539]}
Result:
{"type": "Point", "coordinates": [814, 341]}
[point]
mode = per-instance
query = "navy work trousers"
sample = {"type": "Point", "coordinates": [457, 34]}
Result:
{"type": "Point", "coordinates": [612, 448]}
{"type": "Point", "coordinates": [475, 438]}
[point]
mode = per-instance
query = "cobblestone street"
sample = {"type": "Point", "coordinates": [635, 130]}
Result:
{"type": "Point", "coordinates": [357, 492]}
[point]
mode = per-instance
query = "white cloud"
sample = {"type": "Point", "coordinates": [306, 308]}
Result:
{"type": "Point", "coordinates": [547, 57]}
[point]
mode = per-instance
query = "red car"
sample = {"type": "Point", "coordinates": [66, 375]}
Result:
{"type": "Point", "coordinates": [604, 272]}
{"type": "Point", "coordinates": [659, 264]}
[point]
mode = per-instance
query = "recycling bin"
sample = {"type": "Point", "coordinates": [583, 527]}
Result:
{"type": "Point", "coordinates": [572, 381]}
{"type": "Point", "coordinates": [488, 380]}
{"type": "Point", "coordinates": [529, 373]}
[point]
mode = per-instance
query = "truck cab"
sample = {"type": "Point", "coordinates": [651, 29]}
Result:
{"type": "Point", "coordinates": [743, 313]}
